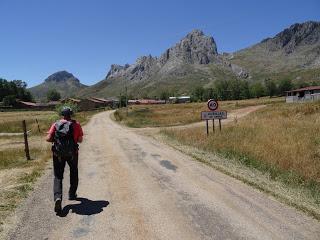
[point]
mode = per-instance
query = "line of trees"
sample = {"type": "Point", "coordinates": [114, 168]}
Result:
{"type": "Point", "coordinates": [12, 90]}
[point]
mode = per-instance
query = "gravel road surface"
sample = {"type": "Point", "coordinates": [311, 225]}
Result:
{"type": "Point", "coordinates": [133, 187]}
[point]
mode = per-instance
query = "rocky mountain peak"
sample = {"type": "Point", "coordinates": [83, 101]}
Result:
{"type": "Point", "coordinates": [195, 48]}
{"type": "Point", "coordinates": [61, 76]}
{"type": "Point", "coordinates": [116, 69]}
{"type": "Point", "coordinates": [296, 35]}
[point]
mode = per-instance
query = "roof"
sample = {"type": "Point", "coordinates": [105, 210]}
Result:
{"type": "Point", "coordinates": [102, 99]}
{"type": "Point", "coordinates": [305, 89]}
{"type": "Point", "coordinates": [31, 104]}
{"type": "Point", "coordinates": [72, 99]}
{"type": "Point", "coordinates": [94, 100]}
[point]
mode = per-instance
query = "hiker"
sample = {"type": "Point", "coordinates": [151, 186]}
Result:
{"type": "Point", "coordinates": [65, 135]}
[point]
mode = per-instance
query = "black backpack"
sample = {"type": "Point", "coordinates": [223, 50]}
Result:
{"type": "Point", "coordinates": [64, 144]}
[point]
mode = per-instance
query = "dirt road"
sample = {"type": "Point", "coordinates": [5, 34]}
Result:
{"type": "Point", "coordinates": [133, 187]}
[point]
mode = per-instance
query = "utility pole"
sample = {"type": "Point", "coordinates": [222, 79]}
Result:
{"type": "Point", "coordinates": [127, 99]}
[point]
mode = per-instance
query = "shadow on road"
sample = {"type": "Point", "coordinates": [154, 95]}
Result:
{"type": "Point", "coordinates": [85, 207]}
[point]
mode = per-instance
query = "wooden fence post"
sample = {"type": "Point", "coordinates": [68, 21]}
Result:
{"type": "Point", "coordinates": [26, 146]}
{"type": "Point", "coordinates": [38, 125]}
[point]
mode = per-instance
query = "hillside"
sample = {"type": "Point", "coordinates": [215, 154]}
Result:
{"type": "Point", "coordinates": [293, 53]}
{"type": "Point", "coordinates": [64, 82]}
{"type": "Point", "coordinates": [192, 62]}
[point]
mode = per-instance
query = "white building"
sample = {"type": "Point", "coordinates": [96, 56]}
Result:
{"type": "Point", "coordinates": [307, 94]}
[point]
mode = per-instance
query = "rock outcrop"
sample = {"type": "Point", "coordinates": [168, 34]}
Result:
{"type": "Point", "coordinates": [196, 48]}
{"type": "Point", "coordinates": [297, 35]}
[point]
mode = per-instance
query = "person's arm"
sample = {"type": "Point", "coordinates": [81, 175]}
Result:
{"type": "Point", "coordinates": [80, 139]}
{"type": "Point", "coordinates": [49, 137]}
{"type": "Point", "coordinates": [80, 133]}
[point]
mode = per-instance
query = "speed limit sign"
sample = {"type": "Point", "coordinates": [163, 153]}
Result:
{"type": "Point", "coordinates": [213, 104]}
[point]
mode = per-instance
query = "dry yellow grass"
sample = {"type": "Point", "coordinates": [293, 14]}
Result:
{"type": "Point", "coordinates": [285, 136]}
{"type": "Point", "coordinates": [178, 114]}
{"type": "Point", "coordinates": [17, 175]}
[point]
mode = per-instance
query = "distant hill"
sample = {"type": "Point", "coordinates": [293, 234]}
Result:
{"type": "Point", "coordinates": [64, 82]}
{"type": "Point", "coordinates": [192, 62]}
{"type": "Point", "coordinates": [293, 53]}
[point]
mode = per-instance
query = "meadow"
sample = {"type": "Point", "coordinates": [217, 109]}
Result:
{"type": "Point", "coordinates": [178, 114]}
{"type": "Point", "coordinates": [280, 141]}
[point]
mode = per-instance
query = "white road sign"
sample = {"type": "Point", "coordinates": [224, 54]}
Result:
{"type": "Point", "coordinates": [214, 115]}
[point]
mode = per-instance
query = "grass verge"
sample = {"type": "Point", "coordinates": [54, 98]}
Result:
{"type": "Point", "coordinates": [280, 144]}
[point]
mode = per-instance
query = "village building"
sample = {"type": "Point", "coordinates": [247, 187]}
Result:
{"type": "Point", "coordinates": [181, 99]}
{"type": "Point", "coordinates": [306, 94]}
{"type": "Point", "coordinates": [145, 102]}
{"type": "Point", "coordinates": [106, 102]}
{"type": "Point", "coordinates": [36, 106]}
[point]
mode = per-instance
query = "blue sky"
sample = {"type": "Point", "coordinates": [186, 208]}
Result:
{"type": "Point", "coordinates": [38, 37]}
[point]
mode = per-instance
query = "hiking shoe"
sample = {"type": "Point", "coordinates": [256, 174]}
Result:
{"type": "Point", "coordinates": [57, 205]}
{"type": "Point", "coordinates": [73, 196]}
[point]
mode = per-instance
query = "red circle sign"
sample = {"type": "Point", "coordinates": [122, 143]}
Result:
{"type": "Point", "coordinates": [213, 104]}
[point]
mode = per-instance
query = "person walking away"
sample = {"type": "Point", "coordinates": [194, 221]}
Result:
{"type": "Point", "coordinates": [65, 135]}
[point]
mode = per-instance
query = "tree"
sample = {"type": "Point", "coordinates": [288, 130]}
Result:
{"type": "Point", "coordinates": [271, 87]}
{"type": "Point", "coordinates": [257, 90]}
{"type": "Point", "coordinates": [9, 100]}
{"type": "Point", "coordinates": [285, 85]}
{"type": "Point", "coordinates": [223, 90]}
{"type": "Point", "coordinates": [164, 95]}
{"type": "Point", "coordinates": [16, 88]}
{"type": "Point", "coordinates": [209, 93]}
{"type": "Point", "coordinates": [198, 94]}
{"type": "Point", "coordinates": [53, 95]}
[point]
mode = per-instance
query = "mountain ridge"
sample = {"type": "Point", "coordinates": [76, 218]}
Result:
{"type": "Point", "coordinates": [189, 58]}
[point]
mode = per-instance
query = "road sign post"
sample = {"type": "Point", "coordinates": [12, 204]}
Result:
{"type": "Point", "coordinates": [207, 127]}
{"type": "Point", "coordinates": [213, 114]}
{"type": "Point", "coordinates": [213, 125]}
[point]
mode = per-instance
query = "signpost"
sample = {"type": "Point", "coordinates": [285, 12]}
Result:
{"type": "Point", "coordinates": [213, 114]}
{"type": "Point", "coordinates": [213, 105]}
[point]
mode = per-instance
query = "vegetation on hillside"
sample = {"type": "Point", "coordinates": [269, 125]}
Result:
{"type": "Point", "coordinates": [53, 95]}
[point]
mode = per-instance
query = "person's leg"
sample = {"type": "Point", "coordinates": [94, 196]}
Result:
{"type": "Point", "coordinates": [74, 178]}
{"type": "Point", "coordinates": [58, 168]}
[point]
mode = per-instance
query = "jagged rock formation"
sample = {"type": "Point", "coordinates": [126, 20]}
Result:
{"type": "Point", "coordinates": [195, 55]}
{"type": "Point", "coordinates": [295, 36]}
{"type": "Point", "coordinates": [297, 47]}
{"type": "Point", "coordinates": [195, 48]}
{"type": "Point", "coordinates": [64, 82]}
